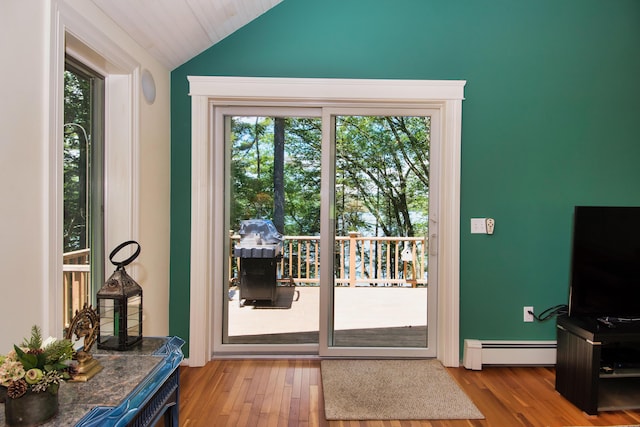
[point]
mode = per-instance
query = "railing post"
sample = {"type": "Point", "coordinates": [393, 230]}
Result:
{"type": "Point", "coordinates": [352, 257]}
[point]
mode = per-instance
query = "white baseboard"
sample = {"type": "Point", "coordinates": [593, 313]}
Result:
{"type": "Point", "coordinates": [493, 352]}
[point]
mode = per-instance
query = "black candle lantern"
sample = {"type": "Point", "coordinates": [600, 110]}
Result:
{"type": "Point", "coordinates": [120, 306]}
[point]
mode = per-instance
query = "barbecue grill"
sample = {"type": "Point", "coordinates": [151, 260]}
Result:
{"type": "Point", "coordinates": [259, 250]}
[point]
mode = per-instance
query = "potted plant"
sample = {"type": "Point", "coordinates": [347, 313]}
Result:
{"type": "Point", "coordinates": [30, 376]}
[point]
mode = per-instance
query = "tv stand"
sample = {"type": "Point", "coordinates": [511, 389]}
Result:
{"type": "Point", "coordinates": [598, 365]}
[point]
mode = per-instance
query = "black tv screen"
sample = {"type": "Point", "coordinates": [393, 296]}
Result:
{"type": "Point", "coordinates": [605, 262]}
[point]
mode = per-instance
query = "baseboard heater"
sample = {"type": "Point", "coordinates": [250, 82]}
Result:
{"type": "Point", "coordinates": [492, 352]}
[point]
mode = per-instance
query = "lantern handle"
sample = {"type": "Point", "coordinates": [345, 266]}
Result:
{"type": "Point", "coordinates": [121, 264]}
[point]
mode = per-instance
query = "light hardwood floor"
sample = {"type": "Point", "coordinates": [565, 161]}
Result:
{"type": "Point", "coordinates": [289, 393]}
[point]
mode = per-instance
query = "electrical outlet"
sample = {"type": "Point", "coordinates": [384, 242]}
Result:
{"type": "Point", "coordinates": [478, 226]}
{"type": "Point", "coordinates": [528, 314]}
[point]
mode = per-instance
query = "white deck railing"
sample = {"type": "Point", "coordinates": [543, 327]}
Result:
{"type": "Point", "coordinates": [360, 261]}
{"type": "Point", "coordinates": [76, 272]}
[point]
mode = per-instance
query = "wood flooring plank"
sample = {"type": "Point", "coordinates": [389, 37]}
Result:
{"type": "Point", "coordinates": [269, 388]}
{"type": "Point", "coordinates": [243, 420]}
{"type": "Point", "coordinates": [297, 380]}
{"type": "Point", "coordinates": [274, 411]}
{"type": "Point", "coordinates": [285, 404]}
{"type": "Point", "coordinates": [294, 410]}
{"type": "Point", "coordinates": [257, 379]}
{"type": "Point", "coordinates": [237, 389]}
{"type": "Point", "coordinates": [314, 411]}
{"type": "Point", "coordinates": [305, 394]}
{"type": "Point", "coordinates": [237, 401]}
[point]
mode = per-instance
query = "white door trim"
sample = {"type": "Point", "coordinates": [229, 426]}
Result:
{"type": "Point", "coordinates": [207, 91]}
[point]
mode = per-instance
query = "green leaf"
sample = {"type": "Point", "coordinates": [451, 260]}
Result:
{"type": "Point", "coordinates": [42, 359]}
{"type": "Point", "coordinates": [29, 361]}
{"type": "Point", "coordinates": [54, 367]}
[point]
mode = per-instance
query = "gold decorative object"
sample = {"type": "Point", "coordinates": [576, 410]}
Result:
{"type": "Point", "coordinates": [85, 324]}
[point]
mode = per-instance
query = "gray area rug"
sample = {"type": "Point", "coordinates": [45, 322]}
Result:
{"type": "Point", "coordinates": [393, 390]}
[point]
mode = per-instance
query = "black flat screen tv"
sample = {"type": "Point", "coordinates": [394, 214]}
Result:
{"type": "Point", "coordinates": [605, 262]}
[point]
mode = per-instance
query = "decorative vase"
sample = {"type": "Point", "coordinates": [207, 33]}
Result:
{"type": "Point", "coordinates": [32, 409]}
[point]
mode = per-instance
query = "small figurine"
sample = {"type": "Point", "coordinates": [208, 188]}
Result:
{"type": "Point", "coordinates": [85, 325]}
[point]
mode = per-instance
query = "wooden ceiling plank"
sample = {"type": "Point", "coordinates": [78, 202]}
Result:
{"type": "Point", "coordinates": [174, 31]}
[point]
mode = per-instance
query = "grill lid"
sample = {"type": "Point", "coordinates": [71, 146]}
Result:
{"type": "Point", "coordinates": [259, 238]}
{"type": "Point", "coordinates": [262, 231]}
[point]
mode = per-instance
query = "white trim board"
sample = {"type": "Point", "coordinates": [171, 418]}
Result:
{"type": "Point", "coordinates": [207, 92]}
{"type": "Point", "coordinates": [74, 34]}
{"type": "Point", "coordinates": [492, 352]}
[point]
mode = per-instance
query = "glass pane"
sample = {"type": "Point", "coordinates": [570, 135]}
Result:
{"type": "Point", "coordinates": [382, 209]}
{"type": "Point", "coordinates": [273, 279]}
{"type": "Point", "coordinates": [109, 320]}
{"type": "Point", "coordinates": [83, 257]}
{"type": "Point", "coordinates": [134, 308]}
{"type": "Point", "coordinates": [77, 143]}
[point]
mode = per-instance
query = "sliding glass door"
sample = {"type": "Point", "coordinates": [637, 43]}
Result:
{"type": "Point", "coordinates": [382, 299]}
{"type": "Point", "coordinates": [381, 231]}
{"type": "Point", "coordinates": [273, 217]}
{"type": "Point", "coordinates": [327, 212]}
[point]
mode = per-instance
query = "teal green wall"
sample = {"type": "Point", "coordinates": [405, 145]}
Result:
{"type": "Point", "coordinates": [549, 122]}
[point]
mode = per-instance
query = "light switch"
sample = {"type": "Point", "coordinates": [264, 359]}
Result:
{"type": "Point", "coordinates": [478, 226]}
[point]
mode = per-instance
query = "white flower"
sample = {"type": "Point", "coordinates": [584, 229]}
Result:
{"type": "Point", "coordinates": [48, 341]}
{"type": "Point", "coordinates": [11, 370]}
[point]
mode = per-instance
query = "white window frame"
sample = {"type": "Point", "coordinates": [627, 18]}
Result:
{"type": "Point", "coordinates": [72, 33]}
{"type": "Point", "coordinates": [208, 92]}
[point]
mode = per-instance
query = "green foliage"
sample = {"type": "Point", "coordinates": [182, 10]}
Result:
{"type": "Point", "coordinates": [28, 360]}
{"type": "Point", "coordinates": [382, 173]}
{"type": "Point", "coordinates": [49, 358]}
{"type": "Point", "coordinates": [56, 353]}
{"type": "Point", "coordinates": [252, 170]}
{"type": "Point", "coordinates": [77, 116]}
{"type": "Point", "coordinates": [35, 341]}
{"type": "Point", "coordinates": [382, 167]}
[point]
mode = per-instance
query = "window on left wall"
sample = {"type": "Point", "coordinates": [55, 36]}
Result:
{"type": "Point", "coordinates": [83, 184]}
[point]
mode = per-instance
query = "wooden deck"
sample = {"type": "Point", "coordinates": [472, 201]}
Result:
{"type": "Point", "coordinates": [364, 316]}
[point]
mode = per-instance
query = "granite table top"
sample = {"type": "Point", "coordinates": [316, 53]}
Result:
{"type": "Point", "coordinates": [122, 372]}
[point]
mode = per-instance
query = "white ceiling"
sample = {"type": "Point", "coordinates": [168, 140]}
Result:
{"type": "Point", "coordinates": [174, 31]}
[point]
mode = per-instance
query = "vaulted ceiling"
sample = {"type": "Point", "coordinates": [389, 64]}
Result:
{"type": "Point", "coordinates": [174, 31]}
